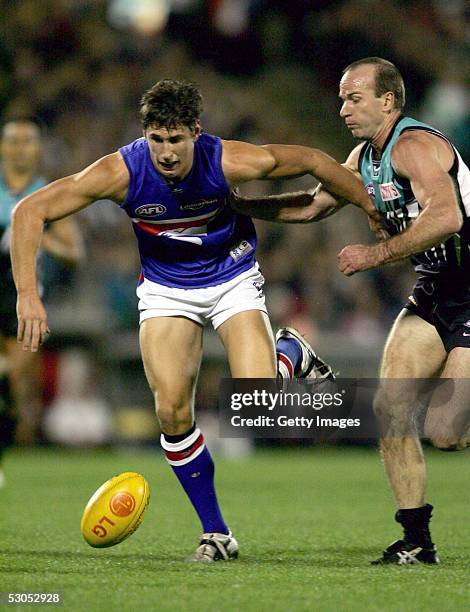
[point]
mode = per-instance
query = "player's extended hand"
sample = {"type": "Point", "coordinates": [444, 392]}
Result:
{"type": "Point", "coordinates": [32, 322]}
{"type": "Point", "coordinates": [356, 258]}
{"type": "Point", "coordinates": [375, 225]}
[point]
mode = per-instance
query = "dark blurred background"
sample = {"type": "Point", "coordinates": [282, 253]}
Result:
{"type": "Point", "coordinates": [269, 72]}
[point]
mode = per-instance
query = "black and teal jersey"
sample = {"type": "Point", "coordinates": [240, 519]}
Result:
{"type": "Point", "coordinates": [394, 199]}
{"type": "Point", "coordinates": [8, 200]}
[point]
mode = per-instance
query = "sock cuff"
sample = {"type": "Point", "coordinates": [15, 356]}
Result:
{"type": "Point", "coordinates": [185, 451]}
{"type": "Point", "coordinates": [413, 516]}
{"type": "Point", "coordinates": [189, 439]}
{"type": "Point", "coordinates": [179, 437]}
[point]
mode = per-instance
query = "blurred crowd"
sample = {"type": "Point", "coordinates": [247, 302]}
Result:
{"type": "Point", "coordinates": [268, 70]}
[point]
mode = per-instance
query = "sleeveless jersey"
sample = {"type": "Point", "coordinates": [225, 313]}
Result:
{"type": "Point", "coordinates": [188, 236]}
{"type": "Point", "coordinates": [394, 199]}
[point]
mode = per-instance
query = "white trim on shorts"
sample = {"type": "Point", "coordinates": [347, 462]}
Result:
{"type": "Point", "coordinates": [216, 304]}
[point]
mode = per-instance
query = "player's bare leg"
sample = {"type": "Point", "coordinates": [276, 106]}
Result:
{"type": "Point", "coordinates": [171, 351]}
{"type": "Point", "coordinates": [396, 406]}
{"type": "Point", "coordinates": [7, 417]}
{"type": "Point", "coordinates": [249, 342]}
{"type": "Point", "coordinates": [448, 417]}
{"type": "Point", "coordinates": [25, 389]}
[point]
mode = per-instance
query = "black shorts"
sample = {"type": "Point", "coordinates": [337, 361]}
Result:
{"type": "Point", "coordinates": [8, 322]}
{"type": "Point", "coordinates": [444, 301]}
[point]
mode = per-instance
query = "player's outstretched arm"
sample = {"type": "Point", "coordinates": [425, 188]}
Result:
{"type": "Point", "coordinates": [339, 185]}
{"type": "Point", "coordinates": [424, 159]}
{"type": "Point", "coordinates": [106, 178]}
{"type": "Point", "coordinates": [301, 207]}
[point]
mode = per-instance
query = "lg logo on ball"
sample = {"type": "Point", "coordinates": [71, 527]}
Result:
{"type": "Point", "coordinates": [99, 530]}
{"type": "Point", "coordinates": [122, 504]}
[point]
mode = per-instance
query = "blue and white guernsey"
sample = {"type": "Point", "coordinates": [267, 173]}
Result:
{"type": "Point", "coordinates": [188, 236]}
{"type": "Point", "coordinates": [394, 199]}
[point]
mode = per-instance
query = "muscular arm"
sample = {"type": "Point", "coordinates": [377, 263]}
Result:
{"type": "Point", "coordinates": [301, 207]}
{"type": "Point", "coordinates": [424, 159]}
{"type": "Point", "coordinates": [243, 162]}
{"type": "Point", "coordinates": [106, 178]}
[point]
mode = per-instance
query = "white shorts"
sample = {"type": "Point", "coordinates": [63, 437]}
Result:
{"type": "Point", "coordinates": [216, 304]}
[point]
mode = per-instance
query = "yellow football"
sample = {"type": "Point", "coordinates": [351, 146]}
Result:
{"type": "Point", "coordinates": [115, 510]}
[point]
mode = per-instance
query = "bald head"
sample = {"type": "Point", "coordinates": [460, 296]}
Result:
{"type": "Point", "coordinates": [385, 77]}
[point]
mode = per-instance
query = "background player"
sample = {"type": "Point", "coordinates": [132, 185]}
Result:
{"type": "Point", "coordinates": [198, 265]}
{"type": "Point", "coordinates": [421, 187]}
{"type": "Point", "coordinates": [20, 151]}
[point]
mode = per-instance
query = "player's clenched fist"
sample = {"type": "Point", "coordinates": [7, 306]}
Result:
{"type": "Point", "coordinates": [357, 257]}
{"type": "Point", "coordinates": [32, 322]}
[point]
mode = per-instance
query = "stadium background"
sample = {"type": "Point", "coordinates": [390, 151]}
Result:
{"type": "Point", "coordinates": [268, 70]}
{"type": "Point", "coordinates": [308, 519]}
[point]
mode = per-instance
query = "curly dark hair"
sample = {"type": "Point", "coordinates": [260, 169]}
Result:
{"type": "Point", "coordinates": [170, 103]}
{"type": "Point", "coordinates": [387, 78]}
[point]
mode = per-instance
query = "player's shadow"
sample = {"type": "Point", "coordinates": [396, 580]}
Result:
{"type": "Point", "coordinates": [310, 556]}
{"type": "Point", "coordinates": [43, 557]}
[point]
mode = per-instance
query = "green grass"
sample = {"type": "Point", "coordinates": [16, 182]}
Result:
{"type": "Point", "coordinates": [308, 522]}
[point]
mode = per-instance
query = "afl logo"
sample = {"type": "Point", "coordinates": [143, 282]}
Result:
{"type": "Point", "coordinates": [150, 210]}
{"type": "Point", "coordinates": [122, 503]}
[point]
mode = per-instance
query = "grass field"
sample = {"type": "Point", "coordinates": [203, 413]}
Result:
{"type": "Point", "coordinates": [308, 522]}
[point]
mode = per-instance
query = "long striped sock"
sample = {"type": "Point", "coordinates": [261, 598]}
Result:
{"type": "Point", "coordinates": [193, 465]}
{"type": "Point", "coordinates": [289, 357]}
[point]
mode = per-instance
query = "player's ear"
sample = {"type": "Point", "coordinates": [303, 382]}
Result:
{"type": "Point", "coordinates": [197, 130]}
{"type": "Point", "coordinates": [389, 101]}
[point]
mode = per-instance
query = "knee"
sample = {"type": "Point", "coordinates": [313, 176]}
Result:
{"type": "Point", "coordinates": [394, 414]}
{"type": "Point", "coordinates": [381, 406]}
{"type": "Point", "coordinates": [175, 415]}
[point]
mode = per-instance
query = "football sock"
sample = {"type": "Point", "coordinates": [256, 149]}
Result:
{"type": "Point", "coordinates": [415, 522]}
{"type": "Point", "coordinates": [192, 463]}
{"type": "Point", "coordinates": [289, 357]}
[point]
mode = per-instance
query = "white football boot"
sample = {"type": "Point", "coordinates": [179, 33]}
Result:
{"type": "Point", "coordinates": [312, 366]}
{"type": "Point", "coordinates": [215, 547]}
